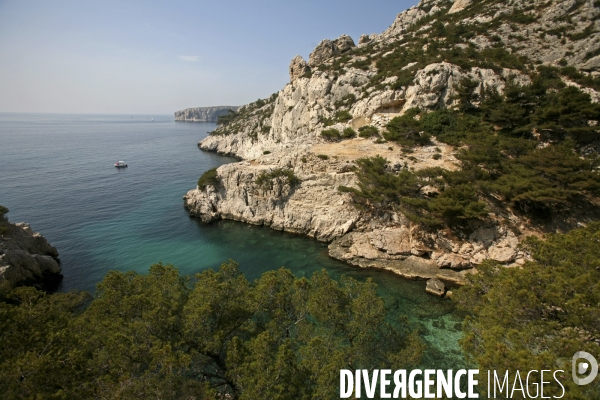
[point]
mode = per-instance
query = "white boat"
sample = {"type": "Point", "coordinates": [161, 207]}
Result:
{"type": "Point", "coordinates": [120, 164]}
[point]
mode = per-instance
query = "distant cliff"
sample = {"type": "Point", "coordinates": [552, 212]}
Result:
{"type": "Point", "coordinates": [203, 114]}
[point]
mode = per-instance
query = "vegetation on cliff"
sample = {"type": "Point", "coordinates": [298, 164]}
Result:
{"type": "Point", "coordinates": [259, 112]}
{"type": "Point", "coordinates": [3, 221]}
{"type": "Point", "coordinates": [209, 178]}
{"type": "Point", "coordinates": [538, 316]}
{"type": "Point", "coordinates": [266, 179]}
{"type": "Point", "coordinates": [166, 336]}
{"type": "Point", "coordinates": [527, 150]}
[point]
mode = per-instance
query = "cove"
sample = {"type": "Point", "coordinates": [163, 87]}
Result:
{"type": "Point", "coordinates": [58, 175]}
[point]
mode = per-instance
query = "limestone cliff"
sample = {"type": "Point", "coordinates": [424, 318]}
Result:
{"type": "Point", "coordinates": [203, 114]}
{"type": "Point", "coordinates": [26, 257]}
{"type": "Point", "coordinates": [418, 62]}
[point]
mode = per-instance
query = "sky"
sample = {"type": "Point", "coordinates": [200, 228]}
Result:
{"type": "Point", "coordinates": [157, 57]}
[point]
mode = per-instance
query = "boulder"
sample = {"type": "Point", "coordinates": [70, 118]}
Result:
{"type": "Point", "coordinates": [298, 68]}
{"type": "Point", "coordinates": [329, 48]}
{"type": "Point", "coordinates": [435, 287]}
{"type": "Point", "coordinates": [505, 250]}
{"type": "Point", "coordinates": [364, 39]}
{"type": "Point", "coordinates": [453, 261]}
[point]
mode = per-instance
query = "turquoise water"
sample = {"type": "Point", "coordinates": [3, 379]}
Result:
{"type": "Point", "coordinates": [57, 174]}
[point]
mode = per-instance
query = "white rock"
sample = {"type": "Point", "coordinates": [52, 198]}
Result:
{"type": "Point", "coordinates": [459, 5]}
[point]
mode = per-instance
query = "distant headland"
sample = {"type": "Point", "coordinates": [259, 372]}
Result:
{"type": "Point", "coordinates": [203, 114]}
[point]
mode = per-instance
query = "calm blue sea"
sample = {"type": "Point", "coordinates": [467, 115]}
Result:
{"type": "Point", "coordinates": [57, 174]}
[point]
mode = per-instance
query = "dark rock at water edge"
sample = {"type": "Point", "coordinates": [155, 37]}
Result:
{"type": "Point", "coordinates": [26, 258]}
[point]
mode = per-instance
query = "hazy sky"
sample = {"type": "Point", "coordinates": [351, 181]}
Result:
{"type": "Point", "coordinates": [156, 57]}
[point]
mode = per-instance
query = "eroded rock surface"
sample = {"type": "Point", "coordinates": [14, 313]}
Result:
{"type": "Point", "coordinates": [329, 48]}
{"type": "Point", "coordinates": [298, 68]}
{"type": "Point", "coordinates": [285, 132]}
{"type": "Point", "coordinates": [26, 257]}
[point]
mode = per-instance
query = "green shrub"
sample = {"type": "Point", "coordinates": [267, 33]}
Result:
{"type": "Point", "coordinates": [209, 178]}
{"type": "Point", "coordinates": [323, 156]}
{"type": "Point", "coordinates": [367, 131]}
{"type": "Point", "coordinates": [227, 118]}
{"type": "Point", "coordinates": [458, 202]}
{"type": "Point", "coordinates": [551, 300]}
{"type": "Point", "coordinates": [303, 159]}
{"type": "Point", "coordinates": [349, 133]}
{"type": "Point", "coordinates": [266, 152]}
{"type": "Point", "coordinates": [382, 190]}
{"type": "Point", "coordinates": [325, 121]}
{"type": "Point", "coordinates": [266, 179]}
{"type": "Point", "coordinates": [406, 130]}
{"type": "Point", "coordinates": [331, 135]}
{"type": "Point", "coordinates": [3, 226]}
{"type": "Point", "coordinates": [163, 335]}
{"type": "Point", "coordinates": [346, 101]}
{"type": "Point", "coordinates": [343, 116]}
{"type": "Point", "coordinates": [522, 18]}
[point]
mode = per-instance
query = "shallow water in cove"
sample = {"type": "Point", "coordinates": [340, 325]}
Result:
{"type": "Point", "coordinates": [57, 174]}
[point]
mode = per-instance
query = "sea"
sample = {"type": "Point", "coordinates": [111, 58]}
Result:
{"type": "Point", "coordinates": [57, 174]}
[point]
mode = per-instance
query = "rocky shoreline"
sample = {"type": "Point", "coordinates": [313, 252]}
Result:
{"type": "Point", "coordinates": [26, 258]}
{"type": "Point", "coordinates": [316, 208]}
{"type": "Point", "coordinates": [284, 133]}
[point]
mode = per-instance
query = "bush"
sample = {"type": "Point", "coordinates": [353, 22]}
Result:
{"type": "Point", "coordinates": [3, 226]}
{"type": "Point", "coordinates": [347, 101]}
{"type": "Point", "coordinates": [406, 130]}
{"type": "Point", "coordinates": [209, 178]}
{"type": "Point", "coordinates": [332, 135]}
{"type": "Point", "coordinates": [325, 121]}
{"type": "Point", "coordinates": [266, 152]}
{"type": "Point", "coordinates": [382, 190]}
{"type": "Point", "coordinates": [217, 335]}
{"type": "Point", "coordinates": [227, 118]}
{"type": "Point", "coordinates": [551, 300]}
{"type": "Point", "coordinates": [437, 156]}
{"type": "Point", "coordinates": [343, 116]}
{"type": "Point", "coordinates": [323, 156]}
{"type": "Point", "coordinates": [349, 133]}
{"type": "Point", "coordinates": [266, 179]}
{"type": "Point", "coordinates": [367, 131]}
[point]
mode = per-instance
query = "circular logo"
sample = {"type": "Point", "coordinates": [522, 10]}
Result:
{"type": "Point", "coordinates": [582, 367]}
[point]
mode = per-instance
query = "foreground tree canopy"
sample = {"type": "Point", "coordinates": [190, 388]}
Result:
{"type": "Point", "coordinates": [165, 336]}
{"type": "Point", "coordinates": [537, 317]}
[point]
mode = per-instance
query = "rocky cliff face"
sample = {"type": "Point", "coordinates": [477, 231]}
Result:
{"type": "Point", "coordinates": [417, 62]}
{"type": "Point", "coordinates": [26, 257]}
{"type": "Point", "coordinates": [203, 114]}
